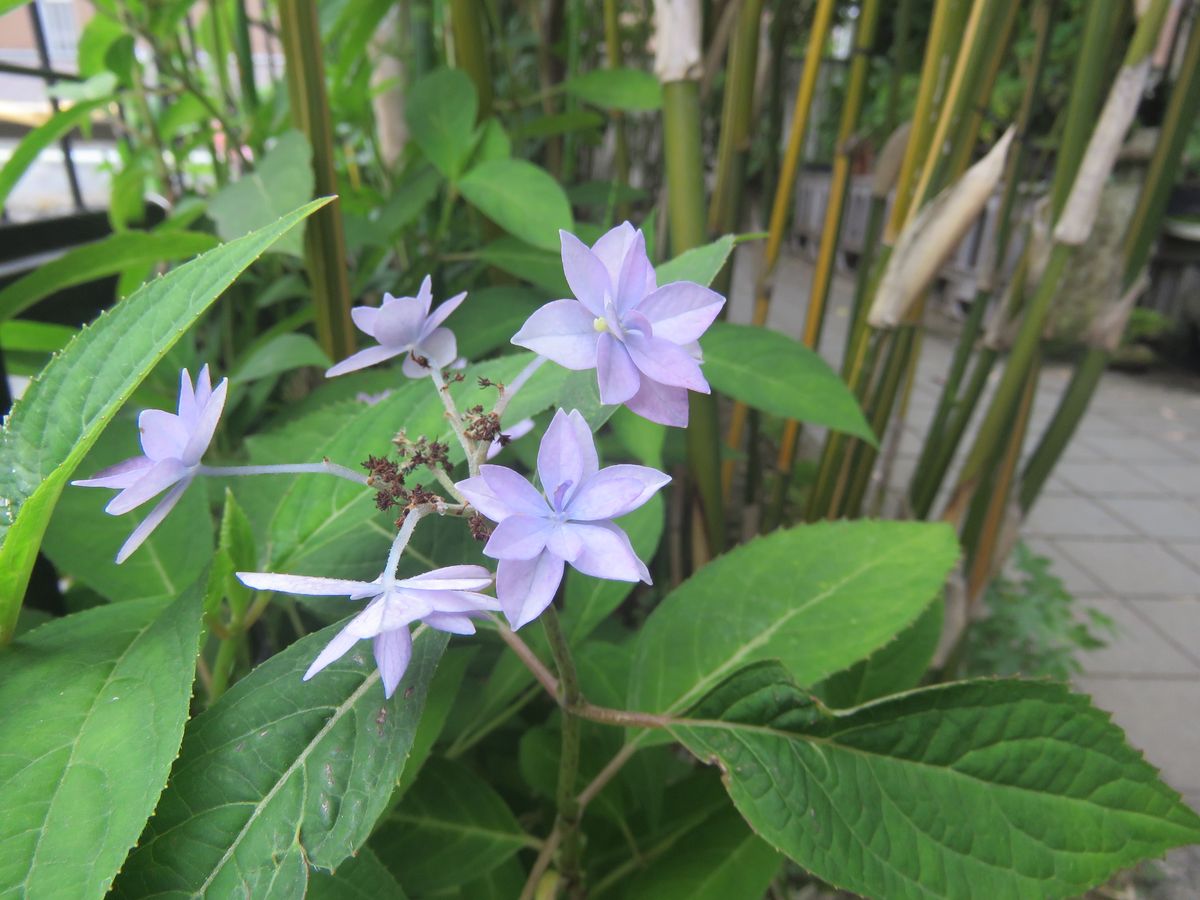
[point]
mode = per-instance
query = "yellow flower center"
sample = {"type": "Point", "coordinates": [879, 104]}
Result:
{"type": "Point", "coordinates": [600, 324]}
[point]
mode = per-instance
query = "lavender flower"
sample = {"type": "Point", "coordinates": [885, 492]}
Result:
{"type": "Point", "coordinates": [172, 445]}
{"type": "Point", "coordinates": [537, 533]}
{"type": "Point", "coordinates": [405, 325]}
{"type": "Point", "coordinates": [641, 339]}
{"type": "Point", "coordinates": [444, 599]}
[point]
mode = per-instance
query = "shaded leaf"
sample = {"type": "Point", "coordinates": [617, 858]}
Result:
{"type": "Point", "coordinates": [521, 198]}
{"type": "Point", "coordinates": [538, 267]}
{"type": "Point", "coordinates": [281, 353]}
{"type": "Point", "coordinates": [440, 108]}
{"type": "Point", "coordinates": [362, 877]}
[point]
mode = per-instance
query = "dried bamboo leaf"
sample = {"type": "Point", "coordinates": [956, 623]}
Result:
{"type": "Point", "coordinates": [891, 157]}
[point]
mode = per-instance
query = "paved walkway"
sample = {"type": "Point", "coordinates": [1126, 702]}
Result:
{"type": "Point", "coordinates": [1120, 519]}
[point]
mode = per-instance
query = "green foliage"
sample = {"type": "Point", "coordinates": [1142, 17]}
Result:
{"type": "Point", "coordinates": [40, 138]}
{"type": "Point", "coordinates": [623, 89]}
{"type": "Point", "coordinates": [273, 779]}
{"type": "Point", "coordinates": [92, 710]}
{"type": "Point", "coordinates": [521, 198]}
{"type": "Point", "coordinates": [362, 877]}
{"type": "Point", "coordinates": [1049, 798]}
{"type": "Point", "coordinates": [441, 110]}
{"type": "Point", "coordinates": [700, 264]}
{"type": "Point", "coordinates": [1033, 626]}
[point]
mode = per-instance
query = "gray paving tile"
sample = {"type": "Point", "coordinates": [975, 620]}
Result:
{"type": "Point", "coordinates": [1161, 517]}
{"type": "Point", "coordinates": [1189, 552]}
{"type": "Point", "coordinates": [1108, 479]}
{"type": "Point", "coordinates": [1159, 717]}
{"type": "Point", "coordinates": [1178, 620]}
{"type": "Point", "coordinates": [1075, 516]}
{"type": "Point", "coordinates": [1132, 567]}
{"type": "Point", "coordinates": [1136, 448]}
{"type": "Point", "coordinates": [1176, 478]}
{"type": "Point", "coordinates": [1074, 578]}
{"type": "Point", "coordinates": [1137, 648]}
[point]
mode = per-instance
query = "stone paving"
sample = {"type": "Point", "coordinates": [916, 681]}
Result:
{"type": "Point", "coordinates": [1120, 519]}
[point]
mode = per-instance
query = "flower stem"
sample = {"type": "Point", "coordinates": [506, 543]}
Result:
{"type": "Point", "coordinates": [506, 395]}
{"type": "Point", "coordinates": [455, 418]}
{"type": "Point", "coordinates": [402, 538]}
{"type": "Point", "coordinates": [322, 468]}
{"type": "Point", "coordinates": [223, 665]}
{"type": "Point", "coordinates": [568, 760]}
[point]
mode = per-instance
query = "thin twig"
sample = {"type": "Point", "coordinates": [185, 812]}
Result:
{"type": "Point", "coordinates": [541, 864]}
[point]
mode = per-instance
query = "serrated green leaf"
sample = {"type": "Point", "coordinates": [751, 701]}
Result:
{"type": "Point", "coordinates": [627, 89]}
{"type": "Point", "coordinates": [521, 198]}
{"type": "Point", "coordinates": [700, 264]}
{"type": "Point", "coordinates": [362, 877]}
{"type": "Point", "coordinates": [772, 372]}
{"type": "Point", "coordinates": [281, 180]}
{"type": "Point", "coordinates": [818, 597]}
{"type": "Point", "coordinates": [99, 259]}
{"type": "Point", "coordinates": [440, 108]}
{"type": "Point", "coordinates": [991, 789]}
{"type": "Point", "coordinates": [92, 709]}
{"type": "Point", "coordinates": [442, 694]}
{"type": "Point", "coordinates": [55, 423]}
{"type": "Point", "coordinates": [451, 827]}
{"type": "Point", "coordinates": [281, 774]}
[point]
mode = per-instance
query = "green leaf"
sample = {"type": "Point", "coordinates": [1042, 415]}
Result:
{"type": "Point", "coordinates": [538, 267]}
{"type": "Point", "coordinates": [978, 789]}
{"type": "Point", "coordinates": [24, 336]}
{"type": "Point", "coordinates": [442, 694]}
{"type": "Point", "coordinates": [489, 318]}
{"type": "Point", "coordinates": [451, 827]}
{"type": "Point", "coordinates": [414, 192]}
{"type": "Point", "coordinates": [40, 138]}
{"type": "Point", "coordinates": [281, 774]}
{"type": "Point", "coordinates": [362, 877]}
{"type": "Point", "coordinates": [281, 353]}
{"type": "Point", "coordinates": [92, 709]}
{"type": "Point", "coordinates": [700, 264]}
{"type": "Point", "coordinates": [82, 540]}
{"type": "Point", "coordinates": [57, 421]}
{"type": "Point", "coordinates": [772, 372]}
{"type": "Point", "coordinates": [818, 597]}
{"type": "Point", "coordinates": [626, 89]}
{"type": "Point", "coordinates": [440, 108]}
{"type": "Point", "coordinates": [521, 198]}
{"type": "Point", "coordinates": [559, 123]}
{"type": "Point", "coordinates": [492, 142]}
{"type": "Point", "coordinates": [282, 180]}
{"type": "Point", "coordinates": [891, 669]}
{"type": "Point", "coordinates": [720, 859]}
{"type": "Point", "coordinates": [641, 437]}
{"type": "Point", "coordinates": [99, 259]}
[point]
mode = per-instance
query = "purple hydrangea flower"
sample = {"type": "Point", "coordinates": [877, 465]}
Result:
{"type": "Point", "coordinates": [444, 599]}
{"type": "Point", "coordinates": [569, 521]}
{"type": "Point", "coordinates": [405, 325]}
{"type": "Point", "coordinates": [640, 338]}
{"type": "Point", "coordinates": [172, 445]}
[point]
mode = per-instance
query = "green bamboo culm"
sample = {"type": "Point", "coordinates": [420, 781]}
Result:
{"type": "Point", "coordinates": [471, 49]}
{"type": "Point", "coordinates": [245, 56]}
{"type": "Point", "coordinates": [1182, 109]}
{"type": "Point", "coordinates": [324, 238]}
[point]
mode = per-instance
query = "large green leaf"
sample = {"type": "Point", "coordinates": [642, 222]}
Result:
{"type": "Point", "coordinates": [362, 877]}
{"type": "Point", "coordinates": [41, 137]}
{"type": "Point", "coordinates": [282, 180]}
{"type": "Point", "coordinates": [992, 789]}
{"type": "Point", "coordinates": [100, 259]}
{"type": "Point", "coordinates": [539, 267]}
{"type": "Point", "coordinates": [281, 774]}
{"type": "Point", "coordinates": [818, 597]}
{"type": "Point", "coordinates": [772, 372]}
{"type": "Point", "coordinates": [451, 827]}
{"type": "Point", "coordinates": [700, 264]}
{"type": "Point", "coordinates": [627, 89]}
{"type": "Point", "coordinates": [440, 108]}
{"type": "Point", "coordinates": [66, 407]}
{"type": "Point", "coordinates": [521, 198]}
{"type": "Point", "coordinates": [92, 709]}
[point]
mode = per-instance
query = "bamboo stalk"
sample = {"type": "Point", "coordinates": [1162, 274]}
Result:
{"type": "Point", "coordinates": [245, 56]}
{"type": "Point", "coordinates": [324, 239]}
{"type": "Point", "coordinates": [471, 49]}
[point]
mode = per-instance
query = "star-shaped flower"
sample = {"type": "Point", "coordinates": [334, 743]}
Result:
{"type": "Point", "coordinates": [569, 521]}
{"type": "Point", "coordinates": [405, 325]}
{"type": "Point", "coordinates": [640, 338]}
{"type": "Point", "coordinates": [172, 445]}
{"type": "Point", "coordinates": [444, 599]}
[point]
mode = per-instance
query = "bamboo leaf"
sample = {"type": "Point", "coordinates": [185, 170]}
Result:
{"type": "Point", "coordinates": [521, 198]}
{"type": "Point", "coordinates": [80, 699]}
{"type": "Point", "coordinates": [631, 90]}
{"type": "Point", "coordinates": [979, 789]}
{"type": "Point", "coordinates": [42, 137]}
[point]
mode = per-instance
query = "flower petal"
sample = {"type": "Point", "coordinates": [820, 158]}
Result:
{"type": "Point", "coordinates": [607, 553]}
{"type": "Point", "coordinates": [203, 386]}
{"type": "Point", "coordinates": [187, 397]}
{"type": "Point", "coordinates": [163, 434]}
{"type": "Point", "coordinates": [393, 650]}
{"type": "Point", "coordinates": [388, 612]}
{"type": "Point", "coordinates": [455, 601]}
{"type": "Point", "coordinates": [519, 537]}
{"type": "Point", "coordinates": [665, 362]}
{"type": "Point", "coordinates": [156, 479]}
{"type": "Point", "coordinates": [637, 275]}
{"type": "Point", "coordinates": [438, 316]}
{"type": "Point", "coordinates": [586, 274]}
{"type": "Point", "coordinates": [454, 624]}
{"type": "Point", "coordinates": [365, 318]}
{"type": "Point", "coordinates": [425, 295]}
{"type": "Point", "coordinates": [618, 377]}
{"type": "Point", "coordinates": [361, 360]}
{"type": "Point", "coordinates": [660, 403]}
{"type": "Point", "coordinates": [563, 331]}
{"type": "Point", "coordinates": [615, 491]}
{"type": "Point", "coordinates": [611, 249]}
{"type": "Point", "coordinates": [152, 521]}
{"type": "Point", "coordinates": [450, 578]}
{"type": "Point", "coordinates": [206, 425]}
{"type": "Point", "coordinates": [307, 584]}
{"type": "Point", "coordinates": [681, 311]}
{"type": "Point", "coordinates": [525, 587]}
{"type": "Point", "coordinates": [563, 542]}
{"type": "Point", "coordinates": [399, 322]}
{"type": "Point", "coordinates": [121, 475]}
{"type": "Point", "coordinates": [567, 454]}
{"type": "Point", "coordinates": [439, 347]}
{"type": "Point", "coordinates": [334, 650]}
{"type": "Point", "coordinates": [499, 492]}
